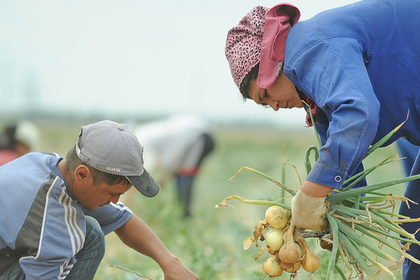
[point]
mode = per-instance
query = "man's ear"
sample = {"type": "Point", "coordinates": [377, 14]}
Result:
{"type": "Point", "coordinates": [82, 172]}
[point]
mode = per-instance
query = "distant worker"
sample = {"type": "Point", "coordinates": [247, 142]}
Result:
{"type": "Point", "coordinates": [176, 147]}
{"type": "Point", "coordinates": [17, 140]}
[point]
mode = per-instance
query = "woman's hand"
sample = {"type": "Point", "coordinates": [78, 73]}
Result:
{"type": "Point", "coordinates": [308, 207]}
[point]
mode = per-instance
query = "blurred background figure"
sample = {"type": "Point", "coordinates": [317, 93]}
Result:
{"type": "Point", "coordinates": [175, 148]}
{"type": "Point", "coordinates": [17, 140]}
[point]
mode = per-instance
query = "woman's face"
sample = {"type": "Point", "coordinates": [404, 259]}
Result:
{"type": "Point", "coordinates": [282, 94]}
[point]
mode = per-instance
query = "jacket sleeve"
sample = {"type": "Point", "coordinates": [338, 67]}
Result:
{"type": "Point", "coordinates": [111, 216]}
{"type": "Point", "coordinates": [333, 74]}
{"type": "Point", "coordinates": [53, 233]}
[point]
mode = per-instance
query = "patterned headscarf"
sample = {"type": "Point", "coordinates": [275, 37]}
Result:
{"type": "Point", "coordinates": [260, 27]}
{"type": "Point", "coordinates": [243, 44]}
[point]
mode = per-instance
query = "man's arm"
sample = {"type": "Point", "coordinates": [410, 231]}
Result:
{"type": "Point", "coordinates": [137, 235]}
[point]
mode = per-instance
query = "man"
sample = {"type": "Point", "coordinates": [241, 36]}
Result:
{"type": "Point", "coordinates": [56, 211]}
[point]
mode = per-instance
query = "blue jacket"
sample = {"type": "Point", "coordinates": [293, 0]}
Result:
{"type": "Point", "coordinates": [41, 226]}
{"type": "Point", "coordinates": [361, 65]}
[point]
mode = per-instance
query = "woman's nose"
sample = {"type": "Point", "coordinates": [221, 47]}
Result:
{"type": "Point", "coordinates": [274, 104]}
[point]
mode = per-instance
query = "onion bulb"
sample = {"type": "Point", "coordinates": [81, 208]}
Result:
{"type": "Point", "coordinates": [272, 267]}
{"type": "Point", "coordinates": [310, 261]}
{"type": "Point", "coordinates": [325, 244]}
{"type": "Point", "coordinates": [290, 252]}
{"type": "Point", "coordinates": [277, 217]}
{"type": "Point", "coordinates": [274, 239]}
{"type": "Point", "coordinates": [290, 267]}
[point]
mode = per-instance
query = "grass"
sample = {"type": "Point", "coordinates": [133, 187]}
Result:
{"type": "Point", "coordinates": [210, 243]}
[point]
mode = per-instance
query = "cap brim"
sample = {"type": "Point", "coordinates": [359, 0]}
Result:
{"type": "Point", "coordinates": [145, 184]}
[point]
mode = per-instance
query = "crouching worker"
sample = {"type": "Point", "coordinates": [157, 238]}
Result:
{"type": "Point", "coordinates": [56, 211]}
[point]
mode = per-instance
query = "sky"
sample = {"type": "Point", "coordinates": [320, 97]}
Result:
{"type": "Point", "coordinates": [128, 56]}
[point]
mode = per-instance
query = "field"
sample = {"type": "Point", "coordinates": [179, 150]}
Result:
{"type": "Point", "coordinates": [210, 243]}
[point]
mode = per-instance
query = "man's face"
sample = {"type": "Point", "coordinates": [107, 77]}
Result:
{"type": "Point", "coordinates": [92, 196]}
{"type": "Point", "coordinates": [282, 94]}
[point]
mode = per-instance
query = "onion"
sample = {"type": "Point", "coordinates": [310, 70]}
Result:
{"type": "Point", "coordinates": [290, 252]}
{"type": "Point", "coordinates": [277, 217]}
{"type": "Point", "coordinates": [272, 267]}
{"type": "Point", "coordinates": [310, 262]}
{"type": "Point", "coordinates": [274, 239]}
{"type": "Point", "coordinates": [326, 245]}
{"type": "Point", "coordinates": [290, 267]}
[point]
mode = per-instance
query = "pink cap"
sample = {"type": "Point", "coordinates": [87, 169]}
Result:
{"type": "Point", "coordinates": [243, 44]}
{"type": "Point", "coordinates": [278, 21]}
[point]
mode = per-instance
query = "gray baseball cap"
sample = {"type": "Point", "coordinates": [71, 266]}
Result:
{"type": "Point", "coordinates": [112, 148]}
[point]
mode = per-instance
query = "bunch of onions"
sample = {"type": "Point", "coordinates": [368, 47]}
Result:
{"type": "Point", "coordinates": [360, 228]}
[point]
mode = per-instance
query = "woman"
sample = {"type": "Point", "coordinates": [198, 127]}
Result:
{"type": "Point", "coordinates": [357, 67]}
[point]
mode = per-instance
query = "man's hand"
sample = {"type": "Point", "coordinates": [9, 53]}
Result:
{"type": "Point", "coordinates": [309, 212]}
{"type": "Point", "coordinates": [138, 235]}
{"type": "Point", "coordinates": [175, 270]}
